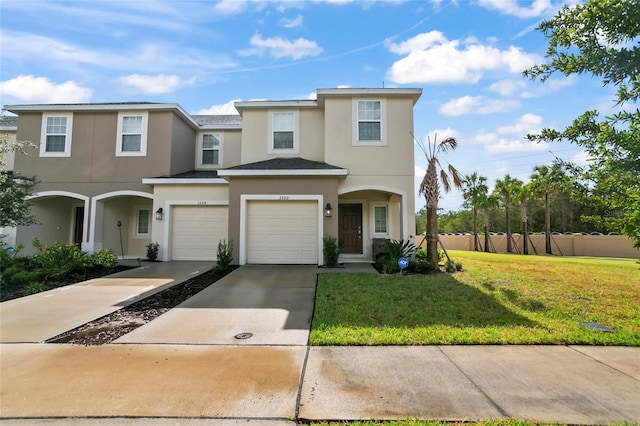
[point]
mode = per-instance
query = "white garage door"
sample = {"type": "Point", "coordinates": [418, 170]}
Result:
{"type": "Point", "coordinates": [196, 231]}
{"type": "Point", "coordinates": [282, 232]}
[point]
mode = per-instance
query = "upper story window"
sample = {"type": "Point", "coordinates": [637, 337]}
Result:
{"type": "Point", "coordinates": [56, 135]}
{"type": "Point", "coordinates": [132, 134]}
{"type": "Point", "coordinates": [284, 134]}
{"type": "Point", "coordinates": [210, 149]}
{"type": "Point", "coordinates": [369, 122]}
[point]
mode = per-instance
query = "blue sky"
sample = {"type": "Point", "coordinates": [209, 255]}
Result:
{"type": "Point", "coordinates": [466, 55]}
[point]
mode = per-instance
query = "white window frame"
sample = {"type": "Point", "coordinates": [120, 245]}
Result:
{"type": "Point", "coordinates": [383, 124]}
{"type": "Point", "coordinates": [137, 219]}
{"type": "Point", "coordinates": [143, 135]}
{"type": "Point", "coordinates": [199, 153]}
{"type": "Point", "coordinates": [373, 220]}
{"type": "Point", "coordinates": [296, 132]}
{"type": "Point", "coordinates": [67, 140]}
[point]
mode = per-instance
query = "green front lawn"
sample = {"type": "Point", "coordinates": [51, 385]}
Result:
{"type": "Point", "coordinates": [497, 299]}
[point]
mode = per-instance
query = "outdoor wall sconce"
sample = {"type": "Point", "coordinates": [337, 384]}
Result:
{"type": "Point", "coordinates": [327, 210]}
{"type": "Point", "coordinates": [159, 214]}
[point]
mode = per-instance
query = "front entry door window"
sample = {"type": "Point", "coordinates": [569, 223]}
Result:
{"type": "Point", "coordinates": [350, 227]}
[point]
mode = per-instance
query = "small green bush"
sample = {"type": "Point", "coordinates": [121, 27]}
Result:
{"type": "Point", "coordinates": [25, 277]}
{"type": "Point", "coordinates": [397, 249]}
{"type": "Point", "coordinates": [386, 265]}
{"type": "Point", "coordinates": [8, 273]}
{"type": "Point", "coordinates": [424, 267]}
{"type": "Point", "coordinates": [450, 266]}
{"type": "Point", "coordinates": [152, 251]}
{"type": "Point", "coordinates": [61, 260]}
{"type": "Point", "coordinates": [8, 257]}
{"type": "Point", "coordinates": [225, 255]}
{"type": "Point", "coordinates": [331, 249]}
{"type": "Point", "coordinates": [34, 287]}
{"type": "Point", "coordinates": [104, 257]}
{"type": "Point", "coordinates": [421, 255]}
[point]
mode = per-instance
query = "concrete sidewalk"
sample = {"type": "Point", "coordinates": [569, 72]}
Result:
{"type": "Point", "coordinates": [567, 384]}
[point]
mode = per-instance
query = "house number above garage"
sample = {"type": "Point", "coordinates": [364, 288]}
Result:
{"type": "Point", "coordinates": [284, 197]}
{"type": "Point", "coordinates": [202, 203]}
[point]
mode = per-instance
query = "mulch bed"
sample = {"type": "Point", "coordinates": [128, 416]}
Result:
{"type": "Point", "coordinates": [11, 291]}
{"type": "Point", "coordinates": [117, 324]}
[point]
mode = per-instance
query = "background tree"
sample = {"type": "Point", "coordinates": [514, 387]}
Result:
{"type": "Point", "coordinates": [430, 187]}
{"type": "Point", "coordinates": [14, 208]}
{"type": "Point", "coordinates": [485, 202]}
{"type": "Point", "coordinates": [474, 185]}
{"type": "Point", "coordinates": [523, 195]}
{"type": "Point", "coordinates": [600, 37]}
{"type": "Point", "coordinates": [508, 188]}
{"type": "Point", "coordinates": [545, 181]}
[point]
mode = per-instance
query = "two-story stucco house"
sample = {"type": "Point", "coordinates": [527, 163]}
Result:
{"type": "Point", "coordinates": [275, 179]}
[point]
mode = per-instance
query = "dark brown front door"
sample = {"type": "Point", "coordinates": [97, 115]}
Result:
{"type": "Point", "coordinates": [350, 227]}
{"type": "Point", "coordinates": [78, 227]}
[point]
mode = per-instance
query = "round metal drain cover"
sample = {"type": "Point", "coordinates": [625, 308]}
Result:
{"type": "Point", "coordinates": [242, 336]}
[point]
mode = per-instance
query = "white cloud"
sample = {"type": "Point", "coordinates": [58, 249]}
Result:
{"type": "Point", "coordinates": [432, 58]}
{"type": "Point", "coordinates": [512, 7]}
{"type": "Point", "coordinates": [30, 89]}
{"type": "Point", "coordinates": [440, 134]}
{"type": "Point", "coordinates": [230, 6]}
{"type": "Point", "coordinates": [154, 84]}
{"type": "Point", "coordinates": [291, 23]}
{"type": "Point", "coordinates": [582, 158]}
{"type": "Point", "coordinates": [508, 86]}
{"type": "Point", "coordinates": [549, 86]}
{"type": "Point", "coordinates": [477, 105]}
{"type": "Point", "coordinates": [222, 109]}
{"type": "Point", "coordinates": [528, 123]}
{"type": "Point", "coordinates": [278, 47]}
{"type": "Point", "coordinates": [511, 137]}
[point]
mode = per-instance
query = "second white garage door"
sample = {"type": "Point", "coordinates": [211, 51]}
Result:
{"type": "Point", "coordinates": [282, 232]}
{"type": "Point", "coordinates": [197, 230]}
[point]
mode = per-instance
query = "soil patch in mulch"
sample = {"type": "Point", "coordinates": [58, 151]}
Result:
{"type": "Point", "coordinates": [10, 291]}
{"type": "Point", "coordinates": [117, 324]}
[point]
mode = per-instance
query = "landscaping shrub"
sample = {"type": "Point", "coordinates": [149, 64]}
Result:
{"type": "Point", "coordinates": [386, 265]}
{"type": "Point", "coordinates": [34, 287]}
{"type": "Point", "coordinates": [332, 250]}
{"type": "Point", "coordinates": [397, 249]}
{"type": "Point", "coordinates": [8, 257]}
{"type": "Point", "coordinates": [152, 251]}
{"type": "Point", "coordinates": [106, 258]}
{"type": "Point", "coordinates": [25, 277]}
{"type": "Point", "coordinates": [225, 255]}
{"type": "Point", "coordinates": [61, 260]}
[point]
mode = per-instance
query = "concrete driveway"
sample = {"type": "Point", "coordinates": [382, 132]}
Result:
{"type": "Point", "coordinates": [272, 303]}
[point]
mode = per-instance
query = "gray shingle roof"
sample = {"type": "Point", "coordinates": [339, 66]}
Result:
{"type": "Point", "coordinates": [193, 174]}
{"type": "Point", "coordinates": [8, 121]}
{"type": "Point", "coordinates": [295, 163]}
{"type": "Point", "coordinates": [217, 120]}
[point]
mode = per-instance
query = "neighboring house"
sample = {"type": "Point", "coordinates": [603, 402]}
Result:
{"type": "Point", "coordinates": [275, 179]}
{"type": "Point", "coordinates": [8, 129]}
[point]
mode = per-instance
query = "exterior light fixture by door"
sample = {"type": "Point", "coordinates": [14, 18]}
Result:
{"type": "Point", "coordinates": [159, 214]}
{"type": "Point", "coordinates": [327, 210]}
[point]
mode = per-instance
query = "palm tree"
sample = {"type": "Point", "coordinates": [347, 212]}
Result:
{"type": "Point", "coordinates": [546, 181]}
{"type": "Point", "coordinates": [430, 187]}
{"type": "Point", "coordinates": [523, 196]}
{"type": "Point", "coordinates": [508, 188]}
{"type": "Point", "coordinates": [474, 185]}
{"type": "Point", "coordinates": [486, 201]}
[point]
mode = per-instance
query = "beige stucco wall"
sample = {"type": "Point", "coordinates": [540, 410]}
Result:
{"type": "Point", "coordinates": [166, 196]}
{"type": "Point", "coordinates": [566, 245]}
{"type": "Point", "coordinates": [56, 214]}
{"type": "Point", "coordinates": [93, 151]}
{"type": "Point", "coordinates": [256, 137]}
